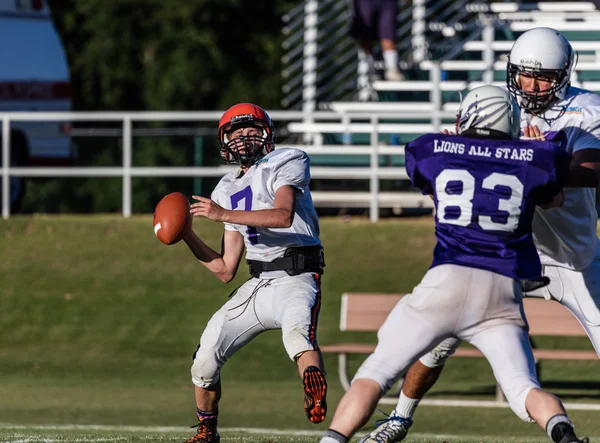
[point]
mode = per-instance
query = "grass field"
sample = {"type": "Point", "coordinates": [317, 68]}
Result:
{"type": "Point", "coordinates": [33, 434]}
{"type": "Point", "coordinates": [99, 320]}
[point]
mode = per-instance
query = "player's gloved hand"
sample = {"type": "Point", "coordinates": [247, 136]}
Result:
{"type": "Point", "coordinates": [533, 133]}
{"type": "Point", "coordinates": [557, 201]}
{"type": "Point", "coordinates": [533, 284]}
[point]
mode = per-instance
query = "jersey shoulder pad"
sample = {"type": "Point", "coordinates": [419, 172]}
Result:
{"type": "Point", "coordinates": [582, 102]}
{"type": "Point", "coordinates": [418, 146]}
{"type": "Point", "coordinates": [282, 156]}
{"type": "Point", "coordinates": [219, 192]}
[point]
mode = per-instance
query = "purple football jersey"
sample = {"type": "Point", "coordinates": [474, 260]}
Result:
{"type": "Point", "coordinates": [485, 193]}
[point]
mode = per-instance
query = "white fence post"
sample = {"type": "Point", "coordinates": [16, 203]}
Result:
{"type": "Point", "coordinates": [309, 65]}
{"type": "Point", "coordinates": [5, 167]}
{"type": "Point", "coordinates": [363, 83]}
{"type": "Point", "coordinates": [435, 75]}
{"type": "Point", "coordinates": [347, 135]}
{"type": "Point", "coordinates": [487, 35]}
{"type": "Point", "coordinates": [127, 166]}
{"type": "Point", "coordinates": [374, 184]}
{"type": "Point", "coordinates": [418, 31]}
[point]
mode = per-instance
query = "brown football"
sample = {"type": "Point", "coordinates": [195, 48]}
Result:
{"type": "Point", "coordinates": [172, 218]}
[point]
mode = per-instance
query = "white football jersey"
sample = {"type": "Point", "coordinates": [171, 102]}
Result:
{"type": "Point", "coordinates": [256, 189]}
{"type": "Point", "coordinates": [567, 236]}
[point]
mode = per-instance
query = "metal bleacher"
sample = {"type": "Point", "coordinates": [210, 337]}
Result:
{"type": "Point", "coordinates": [460, 48]}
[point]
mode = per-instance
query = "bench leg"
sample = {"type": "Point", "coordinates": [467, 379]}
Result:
{"type": "Point", "coordinates": [343, 370]}
{"type": "Point", "coordinates": [499, 394]}
{"type": "Point", "coordinates": [397, 387]}
{"type": "Point", "coordinates": [345, 380]}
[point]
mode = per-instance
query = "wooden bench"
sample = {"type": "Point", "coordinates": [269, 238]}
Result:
{"type": "Point", "coordinates": [367, 312]}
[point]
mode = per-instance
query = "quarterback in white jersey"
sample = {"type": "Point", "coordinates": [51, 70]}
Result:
{"type": "Point", "coordinates": [255, 191]}
{"type": "Point", "coordinates": [267, 209]}
{"type": "Point", "coordinates": [539, 68]}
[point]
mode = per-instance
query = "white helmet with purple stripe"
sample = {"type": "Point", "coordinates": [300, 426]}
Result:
{"type": "Point", "coordinates": [488, 109]}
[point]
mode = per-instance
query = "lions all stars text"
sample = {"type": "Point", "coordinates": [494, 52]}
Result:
{"type": "Point", "coordinates": [448, 147]}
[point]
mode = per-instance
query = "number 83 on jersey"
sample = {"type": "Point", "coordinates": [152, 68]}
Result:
{"type": "Point", "coordinates": [457, 202]}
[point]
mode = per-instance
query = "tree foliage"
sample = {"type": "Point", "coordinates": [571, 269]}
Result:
{"type": "Point", "coordinates": [159, 55]}
{"type": "Point", "coordinates": [171, 54]}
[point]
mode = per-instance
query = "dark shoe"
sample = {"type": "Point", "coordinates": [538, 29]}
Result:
{"type": "Point", "coordinates": [389, 430]}
{"type": "Point", "coordinates": [206, 432]}
{"type": "Point", "coordinates": [570, 438]}
{"type": "Point", "coordinates": [315, 390]}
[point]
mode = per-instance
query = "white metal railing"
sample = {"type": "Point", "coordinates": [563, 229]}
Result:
{"type": "Point", "coordinates": [317, 41]}
{"type": "Point", "coordinates": [373, 172]}
{"type": "Point", "coordinates": [566, 6]}
{"type": "Point", "coordinates": [322, 62]}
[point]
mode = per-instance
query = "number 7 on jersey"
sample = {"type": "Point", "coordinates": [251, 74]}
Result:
{"type": "Point", "coordinates": [246, 195]}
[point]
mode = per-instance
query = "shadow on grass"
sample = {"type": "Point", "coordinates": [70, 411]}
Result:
{"type": "Point", "coordinates": [587, 390]}
{"type": "Point", "coordinates": [472, 392]}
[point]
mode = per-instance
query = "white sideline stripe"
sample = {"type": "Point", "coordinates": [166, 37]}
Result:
{"type": "Point", "coordinates": [52, 440]}
{"type": "Point", "coordinates": [257, 431]}
{"type": "Point", "coordinates": [488, 404]}
{"type": "Point", "coordinates": [125, 428]}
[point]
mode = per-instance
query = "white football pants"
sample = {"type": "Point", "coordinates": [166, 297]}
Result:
{"type": "Point", "coordinates": [479, 306]}
{"type": "Point", "coordinates": [578, 291]}
{"type": "Point", "coordinates": [289, 303]}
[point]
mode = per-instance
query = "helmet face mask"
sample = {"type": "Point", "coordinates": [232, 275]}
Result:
{"type": "Point", "coordinates": [534, 101]}
{"type": "Point", "coordinates": [244, 150]}
{"type": "Point", "coordinates": [545, 55]}
{"type": "Point", "coordinates": [238, 144]}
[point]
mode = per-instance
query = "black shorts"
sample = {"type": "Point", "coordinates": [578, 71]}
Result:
{"type": "Point", "coordinates": [374, 19]}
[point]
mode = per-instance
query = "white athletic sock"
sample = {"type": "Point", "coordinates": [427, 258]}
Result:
{"type": "Point", "coordinates": [332, 436]}
{"type": "Point", "coordinates": [390, 59]}
{"type": "Point", "coordinates": [365, 60]}
{"type": "Point", "coordinates": [406, 406]}
{"type": "Point", "coordinates": [370, 63]}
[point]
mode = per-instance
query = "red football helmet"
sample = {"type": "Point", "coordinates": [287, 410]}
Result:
{"type": "Point", "coordinates": [245, 150]}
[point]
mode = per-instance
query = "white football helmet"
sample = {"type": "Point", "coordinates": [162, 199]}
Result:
{"type": "Point", "coordinates": [489, 108]}
{"type": "Point", "coordinates": [543, 52]}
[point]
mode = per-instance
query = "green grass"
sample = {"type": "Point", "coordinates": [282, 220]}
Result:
{"type": "Point", "coordinates": [91, 435]}
{"type": "Point", "coordinates": [99, 320]}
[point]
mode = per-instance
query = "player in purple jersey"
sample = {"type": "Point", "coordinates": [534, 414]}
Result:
{"type": "Point", "coordinates": [486, 185]}
{"type": "Point", "coordinates": [484, 208]}
{"type": "Point", "coordinates": [539, 69]}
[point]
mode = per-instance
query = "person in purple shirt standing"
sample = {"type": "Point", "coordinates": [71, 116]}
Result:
{"type": "Point", "coordinates": [486, 185]}
{"type": "Point", "coordinates": [374, 20]}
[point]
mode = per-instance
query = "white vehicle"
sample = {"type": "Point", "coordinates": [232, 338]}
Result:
{"type": "Point", "coordinates": [34, 76]}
